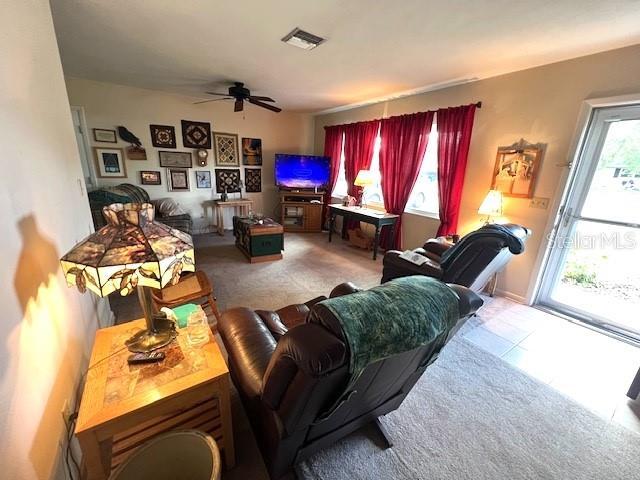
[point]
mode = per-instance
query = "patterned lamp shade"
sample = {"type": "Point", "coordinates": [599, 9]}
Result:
{"type": "Point", "coordinates": [131, 250]}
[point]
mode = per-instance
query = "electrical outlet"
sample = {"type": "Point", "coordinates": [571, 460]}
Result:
{"type": "Point", "coordinates": [539, 202]}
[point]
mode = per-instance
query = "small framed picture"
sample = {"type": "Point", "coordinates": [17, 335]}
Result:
{"type": "Point", "coordinates": [175, 159]}
{"type": "Point", "coordinates": [252, 151]}
{"type": "Point", "coordinates": [203, 179]}
{"type": "Point", "coordinates": [228, 179]}
{"type": "Point", "coordinates": [110, 162]}
{"type": "Point", "coordinates": [150, 177]}
{"type": "Point", "coordinates": [178, 179]}
{"type": "Point", "coordinates": [253, 180]}
{"type": "Point", "coordinates": [516, 169]}
{"type": "Point", "coordinates": [226, 148]}
{"type": "Point", "coordinates": [105, 136]}
{"type": "Point", "coordinates": [163, 136]}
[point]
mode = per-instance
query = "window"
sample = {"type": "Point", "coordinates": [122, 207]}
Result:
{"type": "Point", "coordinates": [424, 197]}
{"type": "Point", "coordinates": [340, 190]}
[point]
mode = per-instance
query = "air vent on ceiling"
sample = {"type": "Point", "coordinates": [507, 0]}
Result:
{"type": "Point", "coordinates": [301, 39]}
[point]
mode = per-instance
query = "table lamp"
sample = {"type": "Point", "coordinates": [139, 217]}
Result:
{"type": "Point", "coordinates": [491, 205]}
{"type": "Point", "coordinates": [364, 179]}
{"type": "Point", "coordinates": [132, 251]}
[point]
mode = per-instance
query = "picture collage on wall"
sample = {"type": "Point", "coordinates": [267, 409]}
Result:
{"type": "Point", "coordinates": [110, 162]}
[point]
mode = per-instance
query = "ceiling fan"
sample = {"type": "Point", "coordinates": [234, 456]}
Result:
{"type": "Point", "coordinates": [240, 93]}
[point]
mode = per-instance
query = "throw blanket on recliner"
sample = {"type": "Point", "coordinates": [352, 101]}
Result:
{"type": "Point", "coordinates": [392, 318]}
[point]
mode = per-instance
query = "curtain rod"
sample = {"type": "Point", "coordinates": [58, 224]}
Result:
{"type": "Point", "coordinates": [477, 104]}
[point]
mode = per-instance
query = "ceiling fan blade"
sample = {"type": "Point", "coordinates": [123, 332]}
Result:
{"type": "Point", "coordinates": [219, 94]}
{"type": "Point", "coordinates": [264, 105]}
{"type": "Point", "coordinates": [262, 99]}
{"type": "Point", "coordinates": [211, 100]}
{"type": "Point", "coordinates": [239, 105]}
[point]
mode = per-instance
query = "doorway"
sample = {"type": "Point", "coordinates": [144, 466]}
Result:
{"type": "Point", "coordinates": [592, 272]}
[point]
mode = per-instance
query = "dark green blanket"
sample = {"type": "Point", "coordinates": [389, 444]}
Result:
{"type": "Point", "coordinates": [392, 318]}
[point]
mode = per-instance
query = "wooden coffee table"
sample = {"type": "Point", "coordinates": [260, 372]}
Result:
{"type": "Point", "coordinates": [124, 405]}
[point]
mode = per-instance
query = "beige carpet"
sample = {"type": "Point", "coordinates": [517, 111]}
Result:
{"type": "Point", "coordinates": [311, 267]}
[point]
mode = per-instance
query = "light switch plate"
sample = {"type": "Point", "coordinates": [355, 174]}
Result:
{"type": "Point", "coordinates": [539, 202]}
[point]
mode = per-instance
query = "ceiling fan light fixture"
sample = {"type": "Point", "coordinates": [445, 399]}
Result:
{"type": "Point", "coordinates": [301, 39]}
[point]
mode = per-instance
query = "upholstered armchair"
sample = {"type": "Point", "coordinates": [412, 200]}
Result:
{"type": "Point", "coordinates": [471, 262]}
{"type": "Point", "coordinates": [292, 368]}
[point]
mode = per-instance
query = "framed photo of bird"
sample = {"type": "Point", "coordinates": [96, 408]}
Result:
{"type": "Point", "coordinates": [196, 134]}
{"type": "Point", "coordinates": [163, 136]}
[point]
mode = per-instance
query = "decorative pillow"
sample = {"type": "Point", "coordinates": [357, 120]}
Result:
{"type": "Point", "coordinates": [167, 207]}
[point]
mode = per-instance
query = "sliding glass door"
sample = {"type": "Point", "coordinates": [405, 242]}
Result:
{"type": "Point", "coordinates": [593, 267]}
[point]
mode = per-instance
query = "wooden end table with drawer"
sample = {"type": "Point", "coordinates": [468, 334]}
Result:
{"type": "Point", "coordinates": [125, 405]}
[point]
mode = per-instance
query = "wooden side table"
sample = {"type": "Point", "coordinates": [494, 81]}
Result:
{"type": "Point", "coordinates": [241, 208]}
{"type": "Point", "coordinates": [124, 405]}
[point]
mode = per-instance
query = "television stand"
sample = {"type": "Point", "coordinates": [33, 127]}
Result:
{"type": "Point", "coordinates": [301, 211]}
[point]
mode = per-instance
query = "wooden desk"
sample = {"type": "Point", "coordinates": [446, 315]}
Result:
{"type": "Point", "coordinates": [124, 405]}
{"type": "Point", "coordinates": [241, 208]}
{"type": "Point", "coordinates": [374, 217]}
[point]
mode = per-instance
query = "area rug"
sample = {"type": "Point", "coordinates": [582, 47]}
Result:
{"type": "Point", "coordinates": [472, 416]}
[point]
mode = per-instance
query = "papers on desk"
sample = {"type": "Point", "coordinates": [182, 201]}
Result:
{"type": "Point", "coordinates": [413, 257]}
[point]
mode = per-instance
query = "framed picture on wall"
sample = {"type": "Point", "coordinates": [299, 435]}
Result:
{"type": "Point", "coordinates": [150, 177]}
{"type": "Point", "coordinates": [196, 134]}
{"type": "Point", "coordinates": [253, 180]}
{"type": "Point", "coordinates": [252, 151]}
{"type": "Point", "coordinates": [104, 135]}
{"type": "Point", "coordinates": [516, 170]}
{"type": "Point", "coordinates": [226, 149]}
{"type": "Point", "coordinates": [163, 136]}
{"type": "Point", "coordinates": [110, 162]}
{"type": "Point", "coordinates": [203, 179]}
{"type": "Point", "coordinates": [178, 179]}
{"type": "Point", "coordinates": [175, 159]}
{"type": "Point", "coordinates": [229, 179]}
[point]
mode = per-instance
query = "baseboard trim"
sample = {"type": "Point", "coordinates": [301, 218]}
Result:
{"type": "Point", "coordinates": [511, 296]}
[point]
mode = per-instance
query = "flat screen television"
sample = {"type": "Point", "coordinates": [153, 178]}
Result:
{"type": "Point", "coordinates": [302, 171]}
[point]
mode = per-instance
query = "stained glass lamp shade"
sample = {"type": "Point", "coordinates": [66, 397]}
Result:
{"type": "Point", "coordinates": [132, 250]}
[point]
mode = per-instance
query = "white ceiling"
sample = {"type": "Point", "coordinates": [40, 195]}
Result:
{"type": "Point", "coordinates": [374, 48]}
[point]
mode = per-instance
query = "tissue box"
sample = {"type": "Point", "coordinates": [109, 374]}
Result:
{"type": "Point", "coordinates": [183, 312]}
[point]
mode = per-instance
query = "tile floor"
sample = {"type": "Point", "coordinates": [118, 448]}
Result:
{"type": "Point", "coordinates": [589, 367]}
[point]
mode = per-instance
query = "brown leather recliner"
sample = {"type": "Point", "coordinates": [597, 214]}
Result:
{"type": "Point", "coordinates": [470, 262]}
{"type": "Point", "coordinates": [291, 365]}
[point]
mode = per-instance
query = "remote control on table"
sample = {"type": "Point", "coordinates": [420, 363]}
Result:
{"type": "Point", "coordinates": [145, 357]}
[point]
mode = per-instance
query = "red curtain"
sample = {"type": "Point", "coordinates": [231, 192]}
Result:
{"type": "Point", "coordinates": [454, 135]}
{"type": "Point", "coordinates": [404, 142]}
{"type": "Point", "coordinates": [333, 141]}
{"type": "Point", "coordinates": [359, 139]}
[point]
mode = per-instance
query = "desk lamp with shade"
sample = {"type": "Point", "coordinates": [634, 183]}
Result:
{"type": "Point", "coordinates": [132, 251]}
{"type": "Point", "coordinates": [491, 205]}
{"type": "Point", "coordinates": [364, 179]}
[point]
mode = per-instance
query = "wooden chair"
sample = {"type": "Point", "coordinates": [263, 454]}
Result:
{"type": "Point", "coordinates": [191, 287]}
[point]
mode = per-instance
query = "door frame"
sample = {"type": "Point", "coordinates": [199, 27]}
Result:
{"type": "Point", "coordinates": [568, 179]}
{"type": "Point", "coordinates": [84, 133]}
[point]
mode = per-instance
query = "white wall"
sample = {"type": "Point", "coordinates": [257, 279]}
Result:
{"type": "Point", "coordinates": [108, 105]}
{"type": "Point", "coordinates": [540, 105]}
{"type": "Point", "coordinates": [47, 330]}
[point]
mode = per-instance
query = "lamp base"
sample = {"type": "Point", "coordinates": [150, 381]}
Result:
{"type": "Point", "coordinates": [147, 341]}
{"type": "Point", "coordinates": [160, 330]}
